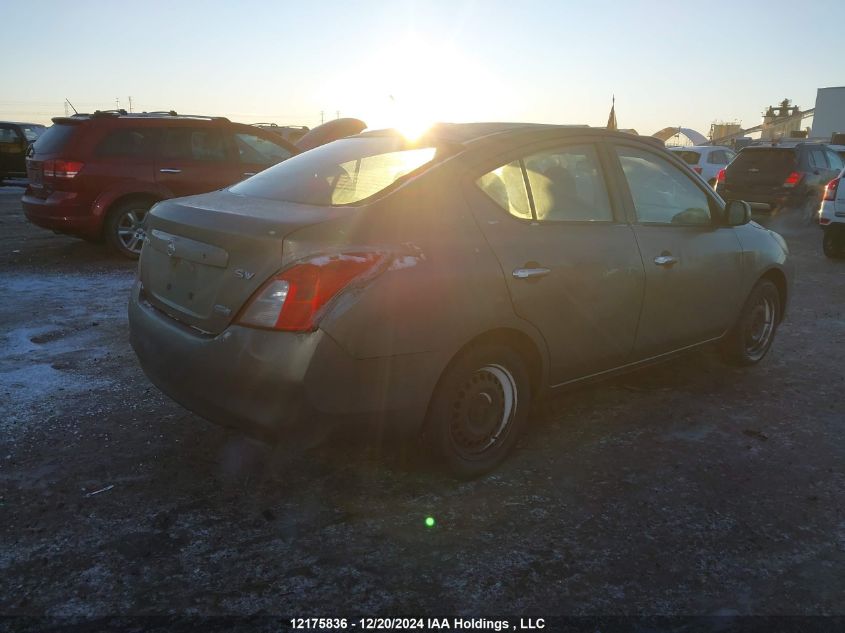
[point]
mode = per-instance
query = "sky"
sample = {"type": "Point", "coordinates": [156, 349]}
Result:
{"type": "Point", "coordinates": [409, 62]}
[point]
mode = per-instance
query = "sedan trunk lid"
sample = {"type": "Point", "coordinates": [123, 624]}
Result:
{"type": "Point", "coordinates": [205, 255]}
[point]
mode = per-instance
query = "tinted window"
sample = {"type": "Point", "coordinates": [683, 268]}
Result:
{"type": "Point", "coordinates": [567, 184]}
{"type": "Point", "coordinates": [257, 150]}
{"type": "Point", "coordinates": [55, 138]}
{"type": "Point", "coordinates": [690, 158]}
{"type": "Point", "coordinates": [817, 159]}
{"type": "Point", "coordinates": [835, 161]}
{"type": "Point", "coordinates": [506, 186]}
{"type": "Point", "coordinates": [718, 157]}
{"type": "Point", "coordinates": [32, 132]}
{"type": "Point", "coordinates": [662, 194]}
{"type": "Point", "coordinates": [765, 160]}
{"type": "Point", "coordinates": [342, 172]}
{"type": "Point", "coordinates": [9, 136]}
{"type": "Point", "coordinates": [138, 143]}
{"type": "Point", "coordinates": [193, 144]}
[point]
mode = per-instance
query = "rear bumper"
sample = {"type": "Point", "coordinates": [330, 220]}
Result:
{"type": "Point", "coordinates": [828, 214]}
{"type": "Point", "coordinates": [763, 201]}
{"type": "Point", "coordinates": [62, 211]}
{"type": "Point", "coordinates": [295, 387]}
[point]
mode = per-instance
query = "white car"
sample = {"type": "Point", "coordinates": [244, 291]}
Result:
{"type": "Point", "coordinates": [832, 217]}
{"type": "Point", "coordinates": [705, 160]}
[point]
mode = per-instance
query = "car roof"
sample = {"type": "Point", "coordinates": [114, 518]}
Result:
{"type": "Point", "coordinates": [477, 133]}
{"type": "Point", "coordinates": [22, 123]}
{"type": "Point", "coordinates": [696, 148]}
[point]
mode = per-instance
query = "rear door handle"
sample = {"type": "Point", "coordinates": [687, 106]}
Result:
{"type": "Point", "coordinates": [528, 273]}
{"type": "Point", "coordinates": [168, 170]}
{"type": "Point", "coordinates": [250, 173]}
{"type": "Point", "coordinates": [665, 260]}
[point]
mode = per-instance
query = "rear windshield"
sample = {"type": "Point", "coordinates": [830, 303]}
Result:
{"type": "Point", "coordinates": [765, 160]}
{"type": "Point", "coordinates": [32, 132]}
{"type": "Point", "coordinates": [54, 138]}
{"type": "Point", "coordinates": [690, 158]}
{"type": "Point", "coordinates": [343, 172]}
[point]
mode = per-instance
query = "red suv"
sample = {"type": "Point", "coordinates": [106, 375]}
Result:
{"type": "Point", "coordinates": [96, 176]}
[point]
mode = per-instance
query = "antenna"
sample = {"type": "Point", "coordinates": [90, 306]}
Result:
{"type": "Point", "coordinates": [71, 105]}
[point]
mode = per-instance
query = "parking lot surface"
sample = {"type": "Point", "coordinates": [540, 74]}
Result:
{"type": "Point", "coordinates": [689, 488]}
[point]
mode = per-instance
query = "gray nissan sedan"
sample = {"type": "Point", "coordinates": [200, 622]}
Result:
{"type": "Point", "coordinates": [436, 288]}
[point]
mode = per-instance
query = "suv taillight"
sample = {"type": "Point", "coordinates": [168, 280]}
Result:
{"type": "Point", "coordinates": [830, 189]}
{"type": "Point", "coordinates": [720, 177]}
{"type": "Point", "coordinates": [293, 299]}
{"type": "Point", "coordinates": [59, 168]}
{"type": "Point", "coordinates": [793, 179]}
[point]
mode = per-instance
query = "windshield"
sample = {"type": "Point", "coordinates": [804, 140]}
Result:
{"type": "Point", "coordinates": [343, 172]}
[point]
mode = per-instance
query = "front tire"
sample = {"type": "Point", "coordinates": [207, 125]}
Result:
{"type": "Point", "coordinates": [833, 242]}
{"type": "Point", "coordinates": [478, 410]}
{"type": "Point", "coordinates": [751, 337]}
{"type": "Point", "coordinates": [124, 227]}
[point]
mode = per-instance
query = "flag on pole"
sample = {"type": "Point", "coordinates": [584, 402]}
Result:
{"type": "Point", "coordinates": [611, 120]}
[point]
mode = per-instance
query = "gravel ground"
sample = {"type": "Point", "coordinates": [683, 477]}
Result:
{"type": "Point", "coordinates": [690, 488]}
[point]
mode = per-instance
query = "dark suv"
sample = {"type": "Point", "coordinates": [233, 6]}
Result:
{"type": "Point", "coordinates": [771, 176]}
{"type": "Point", "coordinates": [96, 176]}
{"type": "Point", "coordinates": [15, 138]}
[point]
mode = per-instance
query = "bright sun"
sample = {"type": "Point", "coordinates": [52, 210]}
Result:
{"type": "Point", "coordinates": [411, 83]}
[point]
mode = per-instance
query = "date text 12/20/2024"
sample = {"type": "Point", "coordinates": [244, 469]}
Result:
{"type": "Point", "coordinates": [417, 624]}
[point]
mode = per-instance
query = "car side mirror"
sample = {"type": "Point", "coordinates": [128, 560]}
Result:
{"type": "Point", "coordinates": [737, 212]}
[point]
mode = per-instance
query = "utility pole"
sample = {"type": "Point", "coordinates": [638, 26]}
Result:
{"type": "Point", "coordinates": [338, 114]}
{"type": "Point", "coordinates": [130, 104]}
{"type": "Point", "coordinates": [65, 104]}
{"type": "Point", "coordinates": [117, 103]}
{"type": "Point", "coordinates": [322, 116]}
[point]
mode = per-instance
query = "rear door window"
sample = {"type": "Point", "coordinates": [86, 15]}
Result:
{"type": "Point", "coordinates": [506, 186]}
{"type": "Point", "coordinates": [256, 150]}
{"type": "Point", "coordinates": [817, 158]}
{"type": "Point", "coordinates": [718, 157]}
{"type": "Point", "coordinates": [662, 193]}
{"type": "Point", "coordinates": [128, 143]}
{"type": "Point", "coordinates": [55, 138]}
{"type": "Point", "coordinates": [201, 144]}
{"type": "Point", "coordinates": [835, 160]}
{"type": "Point", "coordinates": [689, 157]}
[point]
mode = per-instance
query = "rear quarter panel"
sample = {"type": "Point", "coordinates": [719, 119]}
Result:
{"type": "Point", "coordinates": [444, 287]}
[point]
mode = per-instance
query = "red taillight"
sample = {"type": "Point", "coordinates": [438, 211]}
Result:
{"type": "Point", "coordinates": [62, 168]}
{"type": "Point", "coordinates": [720, 177]}
{"type": "Point", "coordinates": [830, 189]}
{"type": "Point", "coordinates": [292, 299]}
{"type": "Point", "coordinates": [793, 179]}
{"type": "Point", "coordinates": [697, 169]}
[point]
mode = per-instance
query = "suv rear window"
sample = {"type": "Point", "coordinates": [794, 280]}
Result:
{"type": "Point", "coordinates": [765, 160]}
{"type": "Point", "coordinates": [690, 158]}
{"type": "Point", "coordinates": [55, 138]}
{"type": "Point", "coordinates": [343, 172]}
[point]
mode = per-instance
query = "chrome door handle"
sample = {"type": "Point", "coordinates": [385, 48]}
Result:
{"type": "Point", "coordinates": [528, 273]}
{"type": "Point", "coordinates": [170, 171]}
{"type": "Point", "coordinates": [250, 173]}
{"type": "Point", "coordinates": [665, 260]}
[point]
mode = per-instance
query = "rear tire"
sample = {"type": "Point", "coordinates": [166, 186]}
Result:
{"type": "Point", "coordinates": [833, 242]}
{"type": "Point", "coordinates": [751, 337]}
{"type": "Point", "coordinates": [478, 410]}
{"type": "Point", "coordinates": [123, 230]}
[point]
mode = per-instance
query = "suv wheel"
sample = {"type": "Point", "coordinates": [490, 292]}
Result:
{"type": "Point", "coordinates": [478, 410]}
{"type": "Point", "coordinates": [833, 242]}
{"type": "Point", "coordinates": [750, 339]}
{"type": "Point", "coordinates": [124, 228]}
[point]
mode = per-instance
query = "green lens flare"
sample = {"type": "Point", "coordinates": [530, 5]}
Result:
{"type": "Point", "coordinates": [429, 522]}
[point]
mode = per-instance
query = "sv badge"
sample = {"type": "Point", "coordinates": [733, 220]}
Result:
{"type": "Point", "coordinates": [240, 273]}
